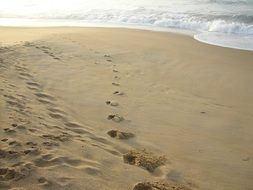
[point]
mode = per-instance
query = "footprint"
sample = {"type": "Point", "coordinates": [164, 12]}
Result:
{"type": "Point", "coordinates": [10, 97]}
{"type": "Point", "coordinates": [42, 180]}
{"type": "Point", "coordinates": [14, 125]}
{"type": "Point", "coordinates": [118, 93]}
{"type": "Point", "coordinates": [30, 143]}
{"type": "Point", "coordinates": [20, 68]}
{"type": "Point", "coordinates": [115, 118]}
{"type": "Point", "coordinates": [112, 103]}
{"type": "Point", "coordinates": [25, 75]}
{"type": "Point", "coordinates": [57, 58]}
{"type": "Point", "coordinates": [246, 159]}
{"type": "Point", "coordinates": [43, 95]}
{"type": "Point", "coordinates": [33, 84]}
{"type": "Point", "coordinates": [56, 110]}
{"type": "Point", "coordinates": [7, 174]}
{"type": "Point", "coordinates": [50, 144]}
{"type": "Point", "coordinates": [45, 47]}
{"type": "Point", "coordinates": [61, 137]}
{"type": "Point", "coordinates": [56, 115]}
{"type": "Point", "coordinates": [144, 159]}
{"type": "Point", "coordinates": [32, 151]}
{"type": "Point", "coordinates": [16, 104]}
{"type": "Point", "coordinates": [9, 130]}
{"type": "Point", "coordinates": [115, 84]}
{"type": "Point", "coordinates": [115, 70]}
{"type": "Point", "coordinates": [32, 130]}
{"type": "Point", "coordinates": [20, 95]}
{"type": "Point", "coordinates": [14, 143]}
{"type": "Point", "coordinates": [120, 135]}
{"type": "Point", "coordinates": [46, 183]}
{"type": "Point", "coordinates": [32, 88]}
{"type": "Point", "coordinates": [72, 124]}
{"type": "Point", "coordinates": [10, 154]}
{"type": "Point", "coordinates": [44, 101]}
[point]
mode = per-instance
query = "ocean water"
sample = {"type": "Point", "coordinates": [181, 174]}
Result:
{"type": "Point", "coordinates": [226, 23]}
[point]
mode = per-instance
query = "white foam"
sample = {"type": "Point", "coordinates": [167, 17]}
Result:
{"type": "Point", "coordinates": [230, 27]}
{"type": "Point", "coordinates": [226, 40]}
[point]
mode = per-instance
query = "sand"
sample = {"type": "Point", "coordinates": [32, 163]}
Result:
{"type": "Point", "coordinates": [75, 101]}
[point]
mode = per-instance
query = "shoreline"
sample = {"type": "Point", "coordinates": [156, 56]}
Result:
{"type": "Point", "coordinates": [79, 105]}
{"type": "Point", "coordinates": [197, 35]}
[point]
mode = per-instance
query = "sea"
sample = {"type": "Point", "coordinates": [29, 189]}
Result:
{"type": "Point", "coordinates": [227, 23]}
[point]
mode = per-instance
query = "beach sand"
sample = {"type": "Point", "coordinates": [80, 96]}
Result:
{"type": "Point", "coordinates": [103, 108]}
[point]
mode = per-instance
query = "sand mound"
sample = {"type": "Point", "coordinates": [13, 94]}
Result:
{"type": "Point", "coordinates": [159, 186]}
{"type": "Point", "coordinates": [144, 159]}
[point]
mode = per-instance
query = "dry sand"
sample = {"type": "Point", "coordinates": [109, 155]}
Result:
{"type": "Point", "coordinates": [75, 100]}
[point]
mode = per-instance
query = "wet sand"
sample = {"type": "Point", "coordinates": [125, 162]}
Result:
{"type": "Point", "coordinates": [97, 108]}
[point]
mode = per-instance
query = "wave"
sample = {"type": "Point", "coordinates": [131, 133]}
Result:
{"type": "Point", "coordinates": [237, 24]}
{"type": "Point", "coordinates": [227, 2]}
